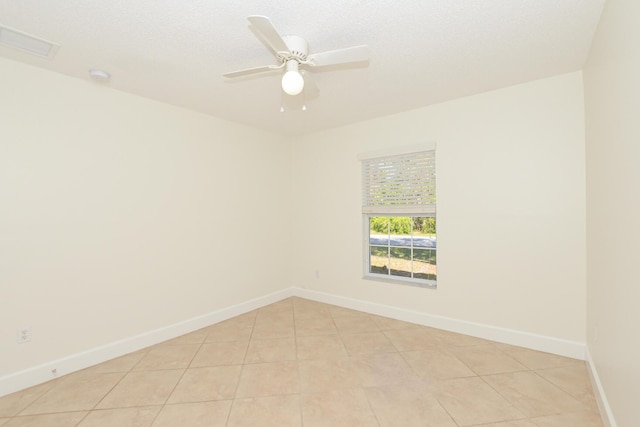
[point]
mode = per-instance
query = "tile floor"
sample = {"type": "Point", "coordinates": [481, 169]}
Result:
{"type": "Point", "coordinates": [303, 363]}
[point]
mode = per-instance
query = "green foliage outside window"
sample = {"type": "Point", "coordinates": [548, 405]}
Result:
{"type": "Point", "coordinates": [402, 225]}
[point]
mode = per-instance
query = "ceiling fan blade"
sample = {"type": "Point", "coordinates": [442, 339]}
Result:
{"type": "Point", "coordinates": [340, 56]}
{"type": "Point", "coordinates": [248, 71]}
{"type": "Point", "coordinates": [266, 29]}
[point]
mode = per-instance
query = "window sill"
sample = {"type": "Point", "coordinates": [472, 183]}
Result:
{"type": "Point", "coordinates": [427, 284]}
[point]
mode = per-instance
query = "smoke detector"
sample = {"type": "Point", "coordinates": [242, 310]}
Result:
{"type": "Point", "coordinates": [99, 75]}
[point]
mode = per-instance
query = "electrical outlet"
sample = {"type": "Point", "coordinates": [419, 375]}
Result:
{"type": "Point", "coordinates": [24, 335]}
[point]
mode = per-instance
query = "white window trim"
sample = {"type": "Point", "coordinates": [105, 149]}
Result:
{"type": "Point", "coordinates": [397, 151]}
{"type": "Point", "coordinates": [366, 255]}
{"type": "Point", "coordinates": [366, 259]}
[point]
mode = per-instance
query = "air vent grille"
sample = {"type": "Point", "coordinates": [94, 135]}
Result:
{"type": "Point", "coordinates": [27, 43]}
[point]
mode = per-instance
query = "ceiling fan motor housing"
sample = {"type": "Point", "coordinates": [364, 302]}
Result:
{"type": "Point", "coordinates": [298, 48]}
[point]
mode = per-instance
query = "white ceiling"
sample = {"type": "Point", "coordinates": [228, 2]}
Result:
{"type": "Point", "coordinates": [422, 51]}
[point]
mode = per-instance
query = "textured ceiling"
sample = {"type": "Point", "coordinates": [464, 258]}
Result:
{"type": "Point", "coordinates": [422, 51]}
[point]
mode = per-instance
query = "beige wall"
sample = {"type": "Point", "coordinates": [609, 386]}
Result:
{"type": "Point", "coordinates": [612, 105]}
{"type": "Point", "coordinates": [120, 215]}
{"type": "Point", "coordinates": [511, 208]}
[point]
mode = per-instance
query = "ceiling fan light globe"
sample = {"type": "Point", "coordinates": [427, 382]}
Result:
{"type": "Point", "coordinates": [292, 82]}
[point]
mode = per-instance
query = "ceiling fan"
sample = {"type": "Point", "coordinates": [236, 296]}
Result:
{"type": "Point", "coordinates": [292, 53]}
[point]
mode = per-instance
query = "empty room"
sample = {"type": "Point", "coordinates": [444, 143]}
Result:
{"type": "Point", "coordinates": [275, 213]}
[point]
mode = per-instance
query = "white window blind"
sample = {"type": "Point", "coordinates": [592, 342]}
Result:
{"type": "Point", "coordinates": [400, 184]}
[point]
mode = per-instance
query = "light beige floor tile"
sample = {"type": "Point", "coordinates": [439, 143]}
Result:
{"type": "Point", "coordinates": [386, 324]}
{"type": "Point", "coordinates": [336, 312]}
{"type": "Point", "coordinates": [75, 393]}
{"type": "Point", "coordinates": [471, 401]}
{"type": "Point", "coordinates": [129, 417]}
{"type": "Point", "coordinates": [243, 320]}
{"type": "Point", "coordinates": [457, 340]}
{"type": "Point", "coordinates": [408, 407]}
{"type": "Point", "coordinates": [246, 319]}
{"type": "Point", "coordinates": [533, 395]}
{"type": "Point", "coordinates": [120, 364]}
{"type": "Point", "coordinates": [12, 404]}
{"type": "Point", "coordinates": [196, 337]}
{"type": "Point", "coordinates": [325, 375]}
{"type": "Point", "coordinates": [385, 369]}
{"type": "Point", "coordinates": [279, 329]}
{"type": "Point", "coordinates": [202, 414]}
{"type": "Point", "coordinates": [271, 411]}
{"type": "Point", "coordinates": [574, 380]}
{"type": "Point", "coordinates": [366, 343]}
{"type": "Point", "coordinates": [311, 311]}
{"type": "Point", "coordinates": [315, 326]}
{"type": "Point", "coordinates": [320, 347]}
{"type": "Point", "coordinates": [299, 301]}
{"type": "Point", "coordinates": [209, 383]}
{"type": "Point", "coordinates": [353, 325]}
{"type": "Point", "coordinates": [286, 305]}
{"type": "Point", "coordinates": [280, 316]}
{"type": "Point", "coordinates": [412, 339]}
{"type": "Point", "coordinates": [301, 360]}
{"type": "Point", "coordinates": [486, 359]}
{"type": "Point", "coordinates": [142, 388]}
{"type": "Point", "coordinates": [66, 419]}
{"type": "Point", "coordinates": [220, 353]}
{"type": "Point", "coordinates": [271, 350]}
{"type": "Point", "coordinates": [516, 423]}
{"type": "Point", "coordinates": [267, 379]}
{"type": "Point", "coordinates": [583, 419]}
{"type": "Point", "coordinates": [437, 364]}
{"type": "Point", "coordinates": [225, 331]}
{"type": "Point", "coordinates": [314, 315]}
{"type": "Point", "coordinates": [337, 408]}
{"type": "Point", "coordinates": [167, 357]}
{"type": "Point", "coordinates": [533, 359]}
{"type": "Point", "coordinates": [308, 306]}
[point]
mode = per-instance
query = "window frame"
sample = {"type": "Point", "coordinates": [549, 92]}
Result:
{"type": "Point", "coordinates": [396, 211]}
{"type": "Point", "coordinates": [368, 275]}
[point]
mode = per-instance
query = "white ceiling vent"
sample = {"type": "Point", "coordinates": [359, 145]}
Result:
{"type": "Point", "coordinates": [27, 43]}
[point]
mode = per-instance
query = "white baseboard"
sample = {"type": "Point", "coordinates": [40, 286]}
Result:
{"type": "Point", "coordinates": [42, 373]}
{"type": "Point", "coordinates": [75, 362]}
{"type": "Point", "coordinates": [603, 404]}
{"type": "Point", "coordinates": [557, 346]}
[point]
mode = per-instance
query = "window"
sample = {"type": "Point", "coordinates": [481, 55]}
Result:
{"type": "Point", "coordinates": [403, 246]}
{"type": "Point", "coordinates": [399, 208]}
